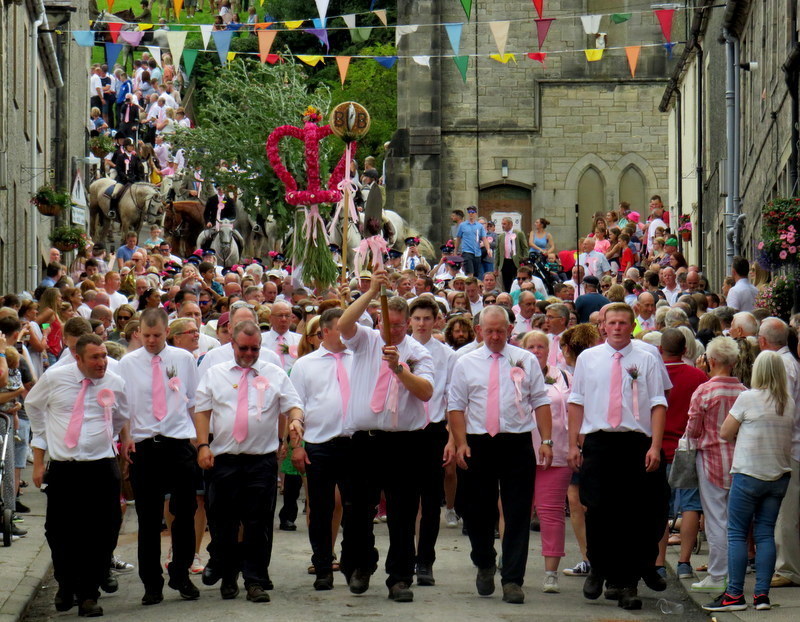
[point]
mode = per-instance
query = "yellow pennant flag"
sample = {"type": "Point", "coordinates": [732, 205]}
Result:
{"type": "Point", "coordinates": [145, 26]}
{"type": "Point", "coordinates": [632, 52]}
{"type": "Point", "coordinates": [593, 55]}
{"type": "Point", "coordinates": [503, 58]}
{"type": "Point", "coordinates": [294, 24]}
{"type": "Point", "coordinates": [177, 5]}
{"type": "Point", "coordinates": [344, 63]}
{"type": "Point", "coordinates": [311, 60]}
{"type": "Point", "coordinates": [231, 56]}
{"type": "Point", "coordinates": [261, 2]}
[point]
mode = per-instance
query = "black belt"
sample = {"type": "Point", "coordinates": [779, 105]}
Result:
{"type": "Point", "coordinates": [159, 438]}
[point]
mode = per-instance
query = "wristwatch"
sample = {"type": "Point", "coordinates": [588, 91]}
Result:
{"type": "Point", "coordinates": [547, 442]}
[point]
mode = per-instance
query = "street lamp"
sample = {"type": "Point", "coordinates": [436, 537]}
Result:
{"type": "Point", "coordinates": [504, 169]}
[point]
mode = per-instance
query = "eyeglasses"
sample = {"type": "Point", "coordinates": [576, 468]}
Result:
{"type": "Point", "coordinates": [205, 302]}
{"type": "Point", "coordinates": [247, 348]}
{"type": "Point", "coordinates": [523, 278]}
{"type": "Point", "coordinates": [190, 332]}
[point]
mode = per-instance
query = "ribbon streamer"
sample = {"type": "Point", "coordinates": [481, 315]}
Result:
{"type": "Point", "coordinates": [377, 245]}
{"type": "Point", "coordinates": [347, 182]}
{"type": "Point", "coordinates": [311, 225]}
{"type": "Point", "coordinates": [394, 396]}
{"type": "Point", "coordinates": [517, 376]}
{"type": "Point", "coordinates": [261, 384]}
{"type": "Point", "coordinates": [106, 399]}
{"type": "Point", "coordinates": [635, 389]}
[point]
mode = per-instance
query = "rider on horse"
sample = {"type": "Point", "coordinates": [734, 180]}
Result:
{"type": "Point", "coordinates": [129, 171]}
{"type": "Point", "coordinates": [220, 206]}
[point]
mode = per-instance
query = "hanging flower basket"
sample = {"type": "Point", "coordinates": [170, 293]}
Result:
{"type": "Point", "coordinates": [68, 238]}
{"type": "Point", "coordinates": [686, 236]}
{"type": "Point", "coordinates": [101, 146]}
{"type": "Point", "coordinates": [780, 234]}
{"type": "Point", "coordinates": [50, 201]}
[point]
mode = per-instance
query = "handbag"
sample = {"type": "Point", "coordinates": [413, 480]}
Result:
{"type": "Point", "coordinates": [683, 473]}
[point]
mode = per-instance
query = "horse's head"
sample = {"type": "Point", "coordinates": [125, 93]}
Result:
{"type": "Point", "coordinates": [154, 206]}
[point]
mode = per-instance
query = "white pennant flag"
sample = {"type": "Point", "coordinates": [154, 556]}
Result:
{"type": "Point", "coordinates": [401, 31]}
{"type": "Point", "coordinates": [155, 52]}
{"type": "Point", "coordinates": [591, 23]}
{"type": "Point", "coordinates": [349, 20]}
{"type": "Point", "coordinates": [322, 9]}
{"type": "Point", "coordinates": [176, 42]}
{"type": "Point", "coordinates": [205, 32]}
{"type": "Point", "coordinates": [500, 34]}
{"type": "Point", "coordinates": [425, 61]}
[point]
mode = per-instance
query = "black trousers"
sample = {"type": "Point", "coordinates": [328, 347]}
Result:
{"type": "Point", "coordinates": [292, 484]}
{"type": "Point", "coordinates": [327, 469]}
{"type": "Point", "coordinates": [76, 490]}
{"type": "Point", "coordinates": [387, 461]}
{"type": "Point", "coordinates": [434, 438]}
{"type": "Point", "coordinates": [161, 466]}
{"type": "Point", "coordinates": [505, 462]}
{"type": "Point", "coordinates": [508, 273]}
{"type": "Point", "coordinates": [616, 490]}
{"type": "Point", "coordinates": [242, 493]}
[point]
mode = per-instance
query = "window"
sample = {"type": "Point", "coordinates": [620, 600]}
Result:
{"type": "Point", "coordinates": [591, 198]}
{"type": "Point", "coordinates": [632, 188]}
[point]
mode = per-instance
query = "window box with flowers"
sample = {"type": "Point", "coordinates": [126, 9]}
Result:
{"type": "Point", "coordinates": [50, 201]}
{"type": "Point", "coordinates": [685, 227]}
{"type": "Point", "coordinates": [780, 234]}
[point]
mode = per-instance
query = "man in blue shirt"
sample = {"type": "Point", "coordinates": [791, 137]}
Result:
{"type": "Point", "coordinates": [125, 252]}
{"type": "Point", "coordinates": [470, 238]}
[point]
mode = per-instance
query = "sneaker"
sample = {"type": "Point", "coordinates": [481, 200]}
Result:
{"type": "Point", "coordinates": [710, 584]}
{"type": "Point", "coordinates": [726, 602]}
{"type": "Point", "coordinates": [121, 566]}
{"type": "Point", "coordinates": [550, 584]}
{"type": "Point", "coordinates": [401, 593]}
{"type": "Point", "coordinates": [450, 517]}
{"type": "Point", "coordinates": [16, 518]}
{"type": "Point", "coordinates": [761, 602]}
{"type": "Point", "coordinates": [684, 570]}
{"type": "Point", "coordinates": [197, 565]}
{"type": "Point", "coordinates": [21, 508]}
{"type": "Point", "coordinates": [580, 570]}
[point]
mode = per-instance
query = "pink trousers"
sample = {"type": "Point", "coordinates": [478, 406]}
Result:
{"type": "Point", "coordinates": [549, 497]}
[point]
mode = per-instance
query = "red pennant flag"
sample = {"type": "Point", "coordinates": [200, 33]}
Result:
{"type": "Point", "coordinates": [665, 19]}
{"type": "Point", "coordinates": [538, 56]}
{"type": "Point", "coordinates": [542, 28]}
{"type": "Point", "coordinates": [538, 4]}
{"type": "Point", "coordinates": [114, 27]}
{"type": "Point", "coordinates": [273, 58]}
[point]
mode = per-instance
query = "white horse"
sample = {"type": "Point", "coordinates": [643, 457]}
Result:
{"type": "Point", "coordinates": [226, 241]}
{"type": "Point", "coordinates": [140, 201]}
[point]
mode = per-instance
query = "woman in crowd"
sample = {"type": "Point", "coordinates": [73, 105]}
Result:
{"type": "Point", "coordinates": [310, 339]}
{"type": "Point", "coordinates": [73, 296]}
{"type": "Point", "coordinates": [49, 306]}
{"type": "Point", "coordinates": [122, 315]}
{"type": "Point", "coordinates": [539, 239]}
{"type": "Point", "coordinates": [151, 299]}
{"type": "Point", "coordinates": [132, 336]}
{"type": "Point", "coordinates": [677, 260]}
{"type": "Point", "coordinates": [37, 338]}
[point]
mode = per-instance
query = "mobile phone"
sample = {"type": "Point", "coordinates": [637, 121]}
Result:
{"type": "Point", "coordinates": [45, 326]}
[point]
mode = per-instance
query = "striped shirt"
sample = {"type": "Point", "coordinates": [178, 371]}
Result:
{"type": "Point", "coordinates": [711, 403]}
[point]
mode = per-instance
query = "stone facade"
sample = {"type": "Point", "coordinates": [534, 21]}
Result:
{"type": "Point", "coordinates": [521, 137]}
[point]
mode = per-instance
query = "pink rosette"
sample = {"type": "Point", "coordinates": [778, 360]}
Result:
{"type": "Point", "coordinates": [635, 389]}
{"type": "Point", "coordinates": [174, 384]}
{"type": "Point", "coordinates": [394, 396]}
{"type": "Point", "coordinates": [292, 350]}
{"type": "Point", "coordinates": [106, 399]}
{"type": "Point", "coordinates": [517, 376]}
{"type": "Point", "coordinates": [261, 385]}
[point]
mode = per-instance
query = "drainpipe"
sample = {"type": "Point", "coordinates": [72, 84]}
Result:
{"type": "Point", "coordinates": [732, 136]}
{"type": "Point", "coordinates": [700, 172]}
{"type": "Point", "coordinates": [33, 214]}
{"type": "Point", "coordinates": [679, 159]}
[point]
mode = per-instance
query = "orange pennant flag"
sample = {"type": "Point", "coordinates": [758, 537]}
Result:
{"type": "Point", "coordinates": [177, 5]}
{"type": "Point", "coordinates": [632, 52]}
{"type": "Point", "coordinates": [265, 39]}
{"type": "Point", "coordinates": [344, 64]}
{"type": "Point", "coordinates": [111, 6]}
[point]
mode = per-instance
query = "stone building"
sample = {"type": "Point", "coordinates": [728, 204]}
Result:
{"type": "Point", "coordinates": [42, 129]}
{"type": "Point", "coordinates": [524, 137]}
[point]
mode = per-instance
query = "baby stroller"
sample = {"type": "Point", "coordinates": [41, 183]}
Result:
{"type": "Point", "coordinates": [6, 457]}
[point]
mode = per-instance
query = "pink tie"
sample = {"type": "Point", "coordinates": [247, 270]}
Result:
{"type": "Point", "coordinates": [242, 406]}
{"type": "Point", "coordinates": [127, 113]}
{"type": "Point", "coordinates": [381, 388]}
{"type": "Point", "coordinates": [552, 359]}
{"type": "Point", "coordinates": [76, 420]}
{"type": "Point", "coordinates": [159, 393]}
{"type": "Point", "coordinates": [493, 397]}
{"type": "Point", "coordinates": [615, 398]}
{"type": "Point", "coordinates": [510, 239]}
{"type": "Point", "coordinates": [281, 341]}
{"type": "Point", "coordinates": [344, 382]}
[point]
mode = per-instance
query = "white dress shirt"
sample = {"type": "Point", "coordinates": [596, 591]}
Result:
{"type": "Point", "coordinates": [793, 385]}
{"type": "Point", "coordinates": [367, 346]}
{"type": "Point", "coordinates": [49, 407]}
{"type": "Point", "coordinates": [116, 300]}
{"type": "Point", "coordinates": [85, 311]}
{"type": "Point", "coordinates": [66, 358]}
{"type": "Point", "coordinates": [469, 387]}
{"type": "Point", "coordinates": [136, 367]}
{"type": "Point", "coordinates": [269, 340]}
{"type": "Point", "coordinates": [444, 359]}
{"type": "Point", "coordinates": [522, 325]}
{"type": "Point", "coordinates": [470, 347]}
{"type": "Point", "coordinates": [204, 344]}
{"type": "Point", "coordinates": [218, 392]}
{"type": "Point", "coordinates": [742, 296]}
{"type": "Point", "coordinates": [672, 294]}
{"type": "Point", "coordinates": [314, 377]}
{"type": "Point", "coordinates": [224, 354]}
{"type": "Point", "coordinates": [475, 307]}
{"type": "Point", "coordinates": [591, 388]}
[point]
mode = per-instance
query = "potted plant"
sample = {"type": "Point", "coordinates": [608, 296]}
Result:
{"type": "Point", "coordinates": [50, 201]}
{"type": "Point", "coordinates": [685, 227]}
{"type": "Point", "coordinates": [101, 145]}
{"type": "Point", "coordinates": [68, 238]}
{"type": "Point", "coordinates": [777, 297]}
{"type": "Point", "coordinates": [780, 234]}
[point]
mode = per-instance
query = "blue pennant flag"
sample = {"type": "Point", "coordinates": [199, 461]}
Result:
{"type": "Point", "coordinates": [222, 39]}
{"type": "Point", "coordinates": [112, 53]}
{"type": "Point", "coordinates": [454, 34]}
{"type": "Point", "coordinates": [321, 34]}
{"type": "Point", "coordinates": [668, 47]}
{"type": "Point", "coordinates": [386, 61]}
{"type": "Point", "coordinates": [84, 38]}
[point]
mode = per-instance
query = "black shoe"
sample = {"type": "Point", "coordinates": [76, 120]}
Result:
{"type": "Point", "coordinates": [425, 574]}
{"type": "Point", "coordinates": [653, 580]}
{"type": "Point", "coordinates": [64, 600]}
{"type": "Point", "coordinates": [359, 582]}
{"type": "Point", "coordinates": [401, 593]}
{"type": "Point", "coordinates": [229, 589]}
{"type": "Point", "coordinates": [185, 588]}
{"type": "Point", "coordinates": [287, 525]}
{"type": "Point", "coordinates": [593, 586]}
{"type": "Point", "coordinates": [512, 593]}
{"type": "Point", "coordinates": [18, 531]}
{"type": "Point", "coordinates": [109, 584]}
{"type": "Point", "coordinates": [210, 576]}
{"type": "Point", "coordinates": [22, 508]}
{"type": "Point", "coordinates": [324, 582]}
{"type": "Point", "coordinates": [484, 582]}
{"type": "Point", "coordinates": [268, 585]}
{"type": "Point", "coordinates": [257, 594]}
{"type": "Point", "coordinates": [152, 598]}
{"type": "Point", "coordinates": [90, 609]}
{"type": "Point", "coordinates": [629, 600]}
{"type": "Point", "coordinates": [612, 593]}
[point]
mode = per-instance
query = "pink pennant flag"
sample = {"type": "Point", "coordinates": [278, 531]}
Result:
{"type": "Point", "coordinates": [542, 28]}
{"type": "Point", "coordinates": [538, 56]}
{"type": "Point", "coordinates": [344, 64]}
{"type": "Point", "coordinates": [632, 52]}
{"type": "Point", "coordinates": [114, 28]}
{"type": "Point", "coordinates": [538, 4]}
{"type": "Point", "coordinates": [665, 19]}
{"type": "Point", "coordinates": [265, 39]}
{"type": "Point", "coordinates": [131, 37]}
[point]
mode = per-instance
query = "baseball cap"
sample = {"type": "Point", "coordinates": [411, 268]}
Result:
{"type": "Point", "coordinates": [472, 209]}
{"type": "Point", "coordinates": [224, 319]}
{"type": "Point", "coordinates": [671, 242]}
{"type": "Point", "coordinates": [591, 280]}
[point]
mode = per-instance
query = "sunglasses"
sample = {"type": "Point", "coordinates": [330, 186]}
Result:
{"type": "Point", "coordinates": [123, 317]}
{"type": "Point", "coordinates": [247, 348]}
{"type": "Point", "coordinates": [489, 301]}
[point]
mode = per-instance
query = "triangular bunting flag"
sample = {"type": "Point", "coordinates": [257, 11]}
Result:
{"type": "Point", "coordinates": [273, 58]}
{"type": "Point", "coordinates": [425, 61]}
{"type": "Point", "coordinates": [131, 37]}
{"type": "Point", "coordinates": [294, 24]}
{"type": "Point", "coordinates": [343, 62]}
{"type": "Point", "coordinates": [503, 58]}
{"type": "Point", "coordinates": [114, 28]}
{"type": "Point", "coordinates": [322, 9]}
{"type": "Point", "coordinates": [205, 32]}
{"type": "Point", "coordinates": [189, 56]}
{"type": "Point", "coordinates": [231, 56]}
{"type": "Point", "coordinates": [222, 40]}
{"type": "Point", "coordinates": [112, 53]}
{"type": "Point", "coordinates": [386, 61]}
{"type": "Point", "coordinates": [177, 5]}
{"type": "Point", "coordinates": [467, 6]}
{"type": "Point", "coordinates": [234, 26]}
{"type": "Point", "coordinates": [593, 55]}
{"type": "Point", "coordinates": [176, 42]}
{"type": "Point", "coordinates": [538, 5]}
{"type": "Point", "coordinates": [381, 13]}
{"type": "Point", "coordinates": [632, 52]}
{"type": "Point", "coordinates": [401, 31]}
{"type": "Point", "coordinates": [111, 6]}
{"type": "Point", "coordinates": [144, 26]}
{"type": "Point", "coordinates": [619, 18]}
{"type": "Point", "coordinates": [668, 47]}
{"type": "Point", "coordinates": [538, 56]}
{"type": "Point", "coordinates": [84, 38]}
{"type": "Point", "coordinates": [155, 52]}
{"type": "Point", "coordinates": [350, 20]}
{"type": "Point", "coordinates": [265, 40]}
{"type": "Point", "coordinates": [320, 22]}
{"type": "Point", "coordinates": [462, 62]}
{"type": "Point", "coordinates": [454, 34]}
{"type": "Point", "coordinates": [321, 34]}
{"type": "Point", "coordinates": [665, 20]}
{"type": "Point", "coordinates": [359, 35]}
{"type": "Point", "coordinates": [591, 23]}
{"type": "Point", "coordinates": [542, 28]}
{"type": "Point", "coordinates": [311, 60]}
{"type": "Point", "coordinates": [500, 34]}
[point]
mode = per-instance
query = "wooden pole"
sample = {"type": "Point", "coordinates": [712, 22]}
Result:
{"type": "Point", "coordinates": [346, 214]}
{"type": "Point", "coordinates": [386, 331]}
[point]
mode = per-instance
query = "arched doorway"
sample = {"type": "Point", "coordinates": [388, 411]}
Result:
{"type": "Point", "coordinates": [496, 202]}
{"type": "Point", "coordinates": [632, 189]}
{"type": "Point", "coordinates": [591, 199]}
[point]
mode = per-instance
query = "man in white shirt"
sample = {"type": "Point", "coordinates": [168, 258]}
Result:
{"type": "Point", "coordinates": [527, 307]}
{"type": "Point", "coordinates": [594, 263]}
{"type": "Point", "coordinates": [161, 382]}
{"type": "Point", "coordinates": [655, 223]}
{"type": "Point", "coordinates": [556, 320]}
{"type": "Point", "coordinates": [205, 342]}
{"type": "Point", "coordinates": [75, 411]}
{"type": "Point", "coordinates": [322, 380]}
{"type": "Point", "coordinates": [742, 296]}
{"type": "Point", "coordinates": [618, 405]}
{"type": "Point", "coordinates": [74, 329]}
{"type": "Point", "coordinates": [646, 307]}
{"type": "Point", "coordinates": [494, 393]}
{"type": "Point", "coordinates": [161, 149]}
{"type": "Point", "coordinates": [115, 298]}
{"type": "Point", "coordinates": [390, 382]}
{"type": "Point", "coordinates": [671, 289]}
{"type": "Point", "coordinates": [279, 338]}
{"type": "Point", "coordinates": [244, 399]}
{"type": "Point", "coordinates": [424, 312]}
{"type": "Point", "coordinates": [473, 290]}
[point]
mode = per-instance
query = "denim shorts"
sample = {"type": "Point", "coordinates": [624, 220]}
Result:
{"type": "Point", "coordinates": [683, 499]}
{"type": "Point", "coordinates": [21, 446]}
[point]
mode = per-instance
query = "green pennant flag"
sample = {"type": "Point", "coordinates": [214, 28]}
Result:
{"type": "Point", "coordinates": [619, 18]}
{"type": "Point", "coordinates": [189, 56]}
{"type": "Point", "coordinates": [360, 34]}
{"type": "Point", "coordinates": [462, 62]}
{"type": "Point", "coordinates": [176, 28]}
{"type": "Point", "coordinates": [467, 4]}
